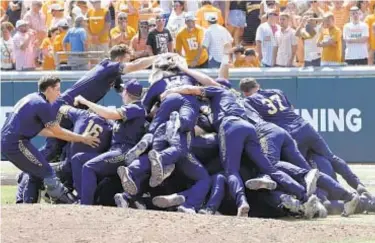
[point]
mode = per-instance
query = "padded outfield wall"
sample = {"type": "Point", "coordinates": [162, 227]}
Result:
{"type": "Point", "coordinates": [338, 102]}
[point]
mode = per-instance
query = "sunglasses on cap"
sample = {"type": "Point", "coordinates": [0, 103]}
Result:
{"type": "Point", "coordinates": [122, 18]}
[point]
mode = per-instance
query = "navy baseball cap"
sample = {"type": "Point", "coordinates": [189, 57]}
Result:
{"type": "Point", "coordinates": [224, 82]}
{"type": "Point", "coordinates": [133, 87]}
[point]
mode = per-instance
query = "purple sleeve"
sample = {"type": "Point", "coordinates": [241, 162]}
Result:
{"type": "Point", "coordinates": [286, 98]}
{"type": "Point", "coordinates": [210, 91]}
{"type": "Point", "coordinates": [71, 113]}
{"type": "Point", "coordinates": [45, 114]}
{"type": "Point", "coordinates": [129, 112]}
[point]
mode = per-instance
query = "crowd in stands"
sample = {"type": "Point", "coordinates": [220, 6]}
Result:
{"type": "Point", "coordinates": [75, 35]}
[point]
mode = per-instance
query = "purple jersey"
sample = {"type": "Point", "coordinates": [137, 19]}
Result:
{"type": "Point", "coordinates": [275, 107]}
{"type": "Point", "coordinates": [131, 128]}
{"type": "Point", "coordinates": [157, 88]}
{"type": "Point", "coordinates": [223, 104]}
{"type": "Point", "coordinates": [95, 84]}
{"type": "Point", "coordinates": [31, 114]}
{"type": "Point", "coordinates": [86, 122]}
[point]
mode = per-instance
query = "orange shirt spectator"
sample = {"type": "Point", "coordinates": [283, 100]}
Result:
{"type": "Point", "coordinates": [208, 10]}
{"type": "Point", "coordinates": [248, 59]}
{"type": "Point", "coordinates": [139, 41]}
{"type": "Point", "coordinates": [132, 8]}
{"type": "Point", "coordinates": [122, 33]}
{"type": "Point", "coordinates": [58, 44]}
{"type": "Point", "coordinates": [47, 49]}
{"type": "Point", "coordinates": [370, 20]}
{"type": "Point", "coordinates": [341, 12]}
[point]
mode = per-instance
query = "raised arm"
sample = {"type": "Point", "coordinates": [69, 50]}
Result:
{"type": "Point", "coordinates": [202, 78]}
{"type": "Point", "coordinates": [185, 90]}
{"type": "Point", "coordinates": [102, 111]}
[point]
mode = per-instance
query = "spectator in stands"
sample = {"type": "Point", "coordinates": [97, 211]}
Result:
{"type": "Point", "coordinates": [24, 44]}
{"type": "Point", "coordinates": [245, 58]}
{"type": "Point", "coordinates": [285, 48]}
{"type": "Point", "coordinates": [219, 4]}
{"type": "Point", "coordinates": [76, 38]}
{"type": "Point", "coordinates": [190, 39]}
{"type": "Point", "coordinates": [48, 62]}
{"type": "Point", "coordinates": [159, 39]}
{"type": "Point", "coordinates": [206, 10]}
{"type": "Point", "coordinates": [235, 17]}
{"type": "Point", "coordinates": [99, 26]}
{"type": "Point", "coordinates": [138, 43]}
{"type": "Point", "coordinates": [177, 18]}
{"type": "Point", "coordinates": [340, 12]}
{"type": "Point", "coordinates": [6, 47]}
{"type": "Point", "coordinates": [331, 42]}
{"type": "Point", "coordinates": [364, 9]}
{"type": "Point", "coordinates": [122, 33]}
{"type": "Point", "coordinates": [166, 6]}
{"type": "Point", "coordinates": [265, 38]}
{"type": "Point", "coordinates": [36, 19]}
{"type": "Point", "coordinates": [192, 6]}
{"type": "Point", "coordinates": [58, 45]}
{"type": "Point", "coordinates": [268, 6]}
{"type": "Point", "coordinates": [216, 39]}
{"type": "Point", "coordinates": [315, 8]}
{"type": "Point", "coordinates": [80, 8]}
{"type": "Point", "coordinates": [370, 21]}
{"type": "Point", "coordinates": [57, 12]}
{"type": "Point", "coordinates": [294, 18]}
{"type": "Point", "coordinates": [308, 31]}
{"type": "Point", "coordinates": [252, 23]}
{"type": "Point", "coordinates": [356, 35]}
{"type": "Point", "coordinates": [112, 12]}
{"type": "Point", "coordinates": [48, 12]}
{"type": "Point", "coordinates": [13, 13]}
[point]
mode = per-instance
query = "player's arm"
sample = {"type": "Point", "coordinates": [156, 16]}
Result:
{"type": "Point", "coordinates": [54, 130]}
{"type": "Point", "coordinates": [102, 111]}
{"type": "Point", "coordinates": [141, 63]}
{"type": "Point", "coordinates": [202, 78]}
{"type": "Point", "coordinates": [184, 90]}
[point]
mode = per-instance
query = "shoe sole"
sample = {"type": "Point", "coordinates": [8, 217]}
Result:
{"type": "Point", "coordinates": [164, 202]}
{"type": "Point", "coordinates": [127, 183]}
{"type": "Point", "coordinates": [186, 210]}
{"type": "Point", "coordinates": [311, 187]}
{"type": "Point", "coordinates": [311, 208]}
{"type": "Point", "coordinates": [257, 184]}
{"type": "Point", "coordinates": [120, 201]}
{"type": "Point", "coordinates": [353, 205]}
{"type": "Point", "coordinates": [168, 171]}
{"type": "Point", "coordinates": [134, 153]}
{"type": "Point", "coordinates": [243, 211]}
{"type": "Point", "coordinates": [172, 131]}
{"type": "Point", "coordinates": [156, 177]}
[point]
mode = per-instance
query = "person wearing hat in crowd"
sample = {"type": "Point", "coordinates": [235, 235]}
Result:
{"type": "Point", "coordinates": [127, 131]}
{"type": "Point", "coordinates": [159, 39]}
{"type": "Point", "coordinates": [190, 39]}
{"type": "Point", "coordinates": [99, 26]}
{"type": "Point", "coordinates": [58, 46]}
{"type": "Point", "coordinates": [216, 39]}
{"type": "Point", "coordinates": [122, 33]}
{"type": "Point", "coordinates": [138, 43]}
{"type": "Point", "coordinates": [24, 44]}
{"type": "Point", "coordinates": [208, 9]}
{"type": "Point", "coordinates": [47, 10]}
{"type": "Point", "coordinates": [48, 62]}
{"type": "Point", "coordinates": [57, 12]}
{"type": "Point", "coordinates": [76, 38]}
{"type": "Point", "coordinates": [6, 47]}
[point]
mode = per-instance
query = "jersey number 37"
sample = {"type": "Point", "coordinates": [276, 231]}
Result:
{"type": "Point", "coordinates": [274, 104]}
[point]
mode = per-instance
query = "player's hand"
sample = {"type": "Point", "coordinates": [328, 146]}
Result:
{"type": "Point", "coordinates": [90, 140]}
{"type": "Point", "coordinates": [164, 95]}
{"type": "Point", "coordinates": [78, 100]}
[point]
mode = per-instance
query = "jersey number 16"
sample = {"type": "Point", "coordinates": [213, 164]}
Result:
{"type": "Point", "coordinates": [93, 129]}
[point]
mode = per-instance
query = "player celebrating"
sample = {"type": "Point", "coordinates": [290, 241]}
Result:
{"type": "Point", "coordinates": [33, 115]}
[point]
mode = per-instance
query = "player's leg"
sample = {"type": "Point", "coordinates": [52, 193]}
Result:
{"type": "Point", "coordinates": [28, 188]}
{"type": "Point", "coordinates": [77, 162]}
{"type": "Point", "coordinates": [217, 194]}
{"type": "Point", "coordinates": [232, 136]}
{"type": "Point", "coordinates": [322, 164]}
{"type": "Point", "coordinates": [290, 152]}
{"type": "Point", "coordinates": [141, 147]}
{"type": "Point", "coordinates": [103, 165]}
{"type": "Point", "coordinates": [188, 113]}
{"type": "Point", "coordinates": [28, 159]}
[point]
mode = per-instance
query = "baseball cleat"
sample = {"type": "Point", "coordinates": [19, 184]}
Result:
{"type": "Point", "coordinates": [168, 170]}
{"type": "Point", "coordinates": [350, 206]}
{"type": "Point", "coordinates": [138, 149]}
{"type": "Point", "coordinates": [243, 210]}
{"type": "Point", "coordinates": [184, 209]}
{"type": "Point", "coordinates": [290, 203]}
{"type": "Point", "coordinates": [264, 182]}
{"type": "Point", "coordinates": [168, 200]}
{"type": "Point", "coordinates": [173, 125]}
{"type": "Point", "coordinates": [127, 182]}
{"type": "Point", "coordinates": [157, 173]}
{"type": "Point", "coordinates": [207, 211]}
{"type": "Point", "coordinates": [311, 179]}
{"type": "Point", "coordinates": [322, 211]}
{"type": "Point", "coordinates": [310, 208]}
{"type": "Point", "coordinates": [120, 201]}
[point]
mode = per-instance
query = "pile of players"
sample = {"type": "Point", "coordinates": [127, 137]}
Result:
{"type": "Point", "coordinates": [188, 143]}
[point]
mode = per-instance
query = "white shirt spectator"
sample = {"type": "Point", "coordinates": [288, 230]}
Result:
{"type": "Point", "coordinates": [24, 57]}
{"type": "Point", "coordinates": [176, 22]}
{"type": "Point", "coordinates": [311, 50]}
{"type": "Point", "coordinates": [356, 51]}
{"type": "Point", "coordinates": [266, 36]}
{"type": "Point", "coordinates": [6, 50]}
{"type": "Point", "coordinates": [215, 38]}
{"type": "Point", "coordinates": [284, 41]}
